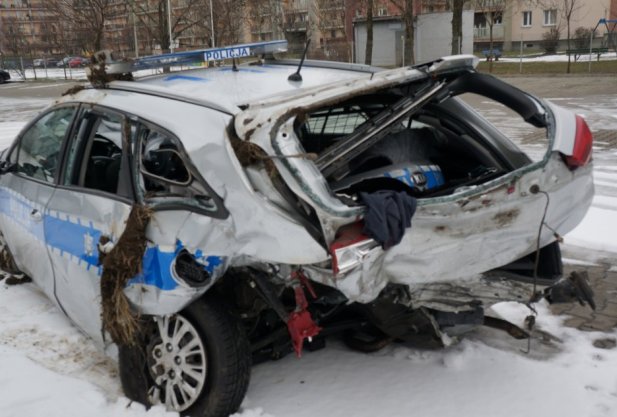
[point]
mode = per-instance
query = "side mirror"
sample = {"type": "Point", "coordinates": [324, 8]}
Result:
{"type": "Point", "coordinates": [6, 167]}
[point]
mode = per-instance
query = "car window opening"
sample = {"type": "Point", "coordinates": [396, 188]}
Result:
{"type": "Point", "coordinates": [39, 148]}
{"type": "Point", "coordinates": [165, 173]}
{"type": "Point", "coordinates": [105, 155]}
{"type": "Point", "coordinates": [431, 152]}
{"type": "Point", "coordinates": [96, 155]}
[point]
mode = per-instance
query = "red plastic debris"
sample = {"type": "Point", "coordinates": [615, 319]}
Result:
{"type": "Point", "coordinates": [300, 324]}
{"type": "Point", "coordinates": [301, 276]}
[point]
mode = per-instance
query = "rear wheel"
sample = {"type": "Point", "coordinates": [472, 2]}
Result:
{"type": "Point", "coordinates": [196, 362]}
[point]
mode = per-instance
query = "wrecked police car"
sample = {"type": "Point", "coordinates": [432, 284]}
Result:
{"type": "Point", "coordinates": [211, 217]}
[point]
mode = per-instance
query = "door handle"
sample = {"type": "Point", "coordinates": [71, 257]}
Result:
{"type": "Point", "coordinates": [36, 215]}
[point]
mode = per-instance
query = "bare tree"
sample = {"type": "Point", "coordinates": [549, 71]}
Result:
{"type": "Point", "coordinates": [153, 17]}
{"type": "Point", "coordinates": [229, 16]}
{"type": "Point", "coordinates": [88, 19]}
{"type": "Point", "coordinates": [368, 55]}
{"type": "Point", "coordinates": [566, 10]}
{"type": "Point", "coordinates": [406, 8]}
{"type": "Point", "coordinates": [15, 39]}
{"type": "Point", "coordinates": [330, 21]}
{"type": "Point", "coordinates": [265, 17]}
{"type": "Point", "coordinates": [457, 24]}
{"type": "Point", "coordinates": [493, 11]}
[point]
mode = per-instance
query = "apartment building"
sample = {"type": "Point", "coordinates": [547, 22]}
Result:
{"type": "Point", "coordinates": [524, 22]}
{"type": "Point", "coordinates": [35, 29]}
{"type": "Point", "coordinates": [325, 22]}
{"type": "Point", "coordinates": [26, 26]}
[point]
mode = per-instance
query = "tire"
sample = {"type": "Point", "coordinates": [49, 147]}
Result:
{"type": "Point", "coordinates": [216, 339]}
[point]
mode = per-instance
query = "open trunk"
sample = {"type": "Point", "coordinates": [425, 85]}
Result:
{"type": "Point", "coordinates": [435, 151]}
{"type": "Point", "coordinates": [480, 199]}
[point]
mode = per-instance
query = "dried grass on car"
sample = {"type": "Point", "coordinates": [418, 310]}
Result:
{"type": "Point", "coordinates": [121, 264]}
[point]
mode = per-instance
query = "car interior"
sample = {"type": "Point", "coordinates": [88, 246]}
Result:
{"type": "Point", "coordinates": [426, 144]}
{"type": "Point", "coordinates": [104, 154]}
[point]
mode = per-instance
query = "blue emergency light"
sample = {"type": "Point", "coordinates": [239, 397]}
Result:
{"type": "Point", "coordinates": [197, 56]}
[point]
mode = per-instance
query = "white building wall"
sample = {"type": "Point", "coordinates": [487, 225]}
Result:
{"type": "Point", "coordinates": [434, 35]}
{"type": "Point", "coordinates": [433, 39]}
{"type": "Point", "coordinates": [386, 41]}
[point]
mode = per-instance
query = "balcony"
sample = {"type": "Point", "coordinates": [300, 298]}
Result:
{"type": "Point", "coordinates": [483, 32]}
{"type": "Point", "coordinates": [295, 27]}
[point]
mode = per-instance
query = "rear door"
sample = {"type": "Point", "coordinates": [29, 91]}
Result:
{"type": "Point", "coordinates": [93, 199]}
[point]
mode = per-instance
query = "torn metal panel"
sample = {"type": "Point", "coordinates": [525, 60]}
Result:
{"type": "Point", "coordinates": [255, 224]}
{"type": "Point", "coordinates": [475, 229]}
{"type": "Point", "coordinates": [459, 295]}
{"type": "Point", "coordinates": [455, 240]}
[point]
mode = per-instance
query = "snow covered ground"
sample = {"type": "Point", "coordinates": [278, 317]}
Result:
{"type": "Point", "coordinates": [50, 369]}
{"type": "Point", "coordinates": [77, 74]}
{"type": "Point", "coordinates": [609, 56]}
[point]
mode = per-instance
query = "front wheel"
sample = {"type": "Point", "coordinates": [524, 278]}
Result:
{"type": "Point", "coordinates": [196, 362]}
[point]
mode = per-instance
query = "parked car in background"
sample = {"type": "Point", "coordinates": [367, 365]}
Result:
{"type": "Point", "coordinates": [44, 62]}
{"type": "Point", "coordinates": [73, 62]}
{"type": "Point", "coordinates": [262, 199]}
{"type": "Point", "coordinates": [63, 62]}
{"type": "Point", "coordinates": [4, 76]}
{"type": "Point", "coordinates": [78, 62]}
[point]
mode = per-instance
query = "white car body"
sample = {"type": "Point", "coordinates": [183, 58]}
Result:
{"type": "Point", "coordinates": [279, 216]}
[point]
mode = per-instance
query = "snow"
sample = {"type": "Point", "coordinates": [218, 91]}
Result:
{"type": "Point", "coordinates": [561, 58]}
{"type": "Point", "coordinates": [470, 378]}
{"type": "Point", "coordinates": [49, 368]}
{"type": "Point", "coordinates": [596, 231]}
{"type": "Point", "coordinates": [77, 74]}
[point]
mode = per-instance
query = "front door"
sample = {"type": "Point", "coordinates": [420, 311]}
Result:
{"type": "Point", "coordinates": [27, 189]}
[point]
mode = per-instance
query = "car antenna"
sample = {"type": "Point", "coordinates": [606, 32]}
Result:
{"type": "Point", "coordinates": [296, 75]}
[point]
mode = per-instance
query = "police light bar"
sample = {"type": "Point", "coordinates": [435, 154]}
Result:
{"type": "Point", "coordinates": [196, 56]}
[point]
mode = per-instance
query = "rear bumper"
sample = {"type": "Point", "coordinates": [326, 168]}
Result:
{"type": "Point", "coordinates": [457, 239]}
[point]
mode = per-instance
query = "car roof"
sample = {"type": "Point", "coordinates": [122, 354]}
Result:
{"type": "Point", "coordinates": [232, 90]}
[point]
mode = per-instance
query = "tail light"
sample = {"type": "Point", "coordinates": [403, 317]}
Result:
{"type": "Point", "coordinates": [583, 142]}
{"type": "Point", "coordinates": [350, 248]}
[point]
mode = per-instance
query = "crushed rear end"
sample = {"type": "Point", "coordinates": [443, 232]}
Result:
{"type": "Point", "coordinates": [482, 204]}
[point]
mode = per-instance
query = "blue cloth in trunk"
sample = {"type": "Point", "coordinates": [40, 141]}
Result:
{"type": "Point", "coordinates": [388, 214]}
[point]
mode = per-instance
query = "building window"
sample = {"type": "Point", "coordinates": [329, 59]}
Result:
{"type": "Point", "coordinates": [382, 11]}
{"type": "Point", "coordinates": [527, 19]}
{"type": "Point", "coordinates": [550, 17]}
